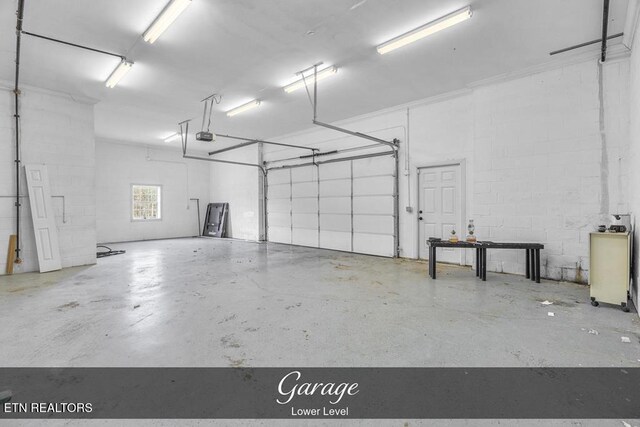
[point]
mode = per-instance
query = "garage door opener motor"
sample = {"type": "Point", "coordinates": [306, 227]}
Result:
{"type": "Point", "coordinates": [207, 135]}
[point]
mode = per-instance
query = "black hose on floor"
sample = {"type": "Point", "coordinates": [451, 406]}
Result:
{"type": "Point", "coordinates": [108, 252]}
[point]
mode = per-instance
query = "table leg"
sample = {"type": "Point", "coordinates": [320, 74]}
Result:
{"type": "Point", "coordinates": [537, 265]}
{"type": "Point", "coordinates": [430, 258]}
{"type": "Point", "coordinates": [434, 263]}
{"type": "Point", "coordinates": [527, 267]}
{"type": "Point", "coordinates": [532, 264]}
{"type": "Point", "coordinates": [484, 264]}
{"type": "Point", "coordinates": [477, 262]}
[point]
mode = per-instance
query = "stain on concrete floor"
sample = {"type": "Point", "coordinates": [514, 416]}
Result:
{"type": "Point", "coordinates": [274, 305]}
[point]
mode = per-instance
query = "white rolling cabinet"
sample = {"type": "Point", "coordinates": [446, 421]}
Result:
{"type": "Point", "coordinates": [610, 268]}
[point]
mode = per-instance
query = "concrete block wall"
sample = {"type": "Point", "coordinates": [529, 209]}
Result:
{"type": "Point", "coordinates": [120, 165]}
{"type": "Point", "coordinates": [634, 159]}
{"type": "Point", "coordinates": [542, 163]}
{"type": "Point", "coordinates": [548, 167]}
{"type": "Point", "coordinates": [58, 131]}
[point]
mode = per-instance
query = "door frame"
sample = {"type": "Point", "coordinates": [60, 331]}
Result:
{"type": "Point", "coordinates": [463, 196]}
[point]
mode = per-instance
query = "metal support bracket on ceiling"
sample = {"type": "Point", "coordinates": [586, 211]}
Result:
{"type": "Point", "coordinates": [104, 52]}
{"type": "Point", "coordinates": [314, 104]}
{"type": "Point", "coordinates": [251, 141]}
{"type": "Point", "coordinates": [589, 43]}
{"type": "Point", "coordinates": [603, 40]}
{"type": "Point", "coordinates": [184, 135]}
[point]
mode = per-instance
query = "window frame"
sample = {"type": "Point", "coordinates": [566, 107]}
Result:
{"type": "Point", "coordinates": [160, 204]}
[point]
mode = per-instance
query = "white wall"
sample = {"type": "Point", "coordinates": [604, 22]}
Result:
{"type": "Point", "coordinates": [57, 131]}
{"type": "Point", "coordinates": [634, 161]}
{"type": "Point", "coordinates": [120, 165]}
{"type": "Point", "coordinates": [541, 163]}
{"type": "Point", "coordinates": [239, 186]}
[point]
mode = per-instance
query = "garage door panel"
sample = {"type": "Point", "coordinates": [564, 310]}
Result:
{"type": "Point", "coordinates": [304, 189]}
{"type": "Point", "coordinates": [373, 244]}
{"type": "Point", "coordinates": [335, 205]}
{"type": "Point", "coordinates": [373, 185]}
{"type": "Point", "coordinates": [305, 221]}
{"type": "Point", "coordinates": [335, 223]}
{"type": "Point", "coordinates": [335, 240]}
{"type": "Point", "coordinates": [373, 205]}
{"type": "Point", "coordinates": [376, 224]}
{"type": "Point", "coordinates": [305, 237]}
{"type": "Point", "coordinates": [335, 171]}
{"type": "Point", "coordinates": [341, 187]}
{"type": "Point", "coordinates": [279, 220]}
{"type": "Point", "coordinates": [360, 208]}
{"type": "Point", "coordinates": [382, 165]}
{"type": "Point", "coordinates": [305, 174]}
{"type": "Point", "coordinates": [304, 206]}
{"type": "Point", "coordinates": [279, 206]}
{"type": "Point", "coordinates": [279, 177]}
{"type": "Point", "coordinates": [279, 191]}
{"type": "Point", "coordinates": [280, 234]}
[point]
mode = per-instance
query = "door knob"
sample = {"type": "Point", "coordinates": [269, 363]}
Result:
{"type": "Point", "coordinates": [420, 218]}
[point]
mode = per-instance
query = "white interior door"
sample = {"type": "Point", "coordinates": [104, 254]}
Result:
{"type": "Point", "coordinates": [42, 214]}
{"type": "Point", "coordinates": [440, 209]}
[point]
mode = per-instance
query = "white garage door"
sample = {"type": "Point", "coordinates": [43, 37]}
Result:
{"type": "Point", "coordinates": [347, 206]}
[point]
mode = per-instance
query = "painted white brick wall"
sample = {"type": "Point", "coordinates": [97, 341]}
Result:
{"type": "Point", "coordinates": [57, 131]}
{"type": "Point", "coordinates": [538, 152]}
{"type": "Point", "coordinates": [120, 165]}
{"type": "Point", "coordinates": [533, 153]}
{"type": "Point", "coordinates": [633, 169]}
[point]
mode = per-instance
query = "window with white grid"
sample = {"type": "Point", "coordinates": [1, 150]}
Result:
{"type": "Point", "coordinates": [145, 202]}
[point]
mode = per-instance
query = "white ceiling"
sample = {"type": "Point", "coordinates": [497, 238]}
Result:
{"type": "Point", "coordinates": [246, 49]}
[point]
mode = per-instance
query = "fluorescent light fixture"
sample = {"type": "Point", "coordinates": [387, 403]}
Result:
{"type": "Point", "coordinates": [244, 107]}
{"type": "Point", "coordinates": [166, 18]}
{"type": "Point", "coordinates": [123, 68]}
{"type": "Point", "coordinates": [426, 30]}
{"type": "Point", "coordinates": [173, 137]}
{"type": "Point", "coordinates": [309, 77]}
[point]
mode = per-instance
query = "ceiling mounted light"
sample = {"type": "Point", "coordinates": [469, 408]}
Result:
{"type": "Point", "coordinates": [426, 30]}
{"type": "Point", "coordinates": [123, 68]}
{"type": "Point", "coordinates": [244, 107]}
{"type": "Point", "coordinates": [309, 77]}
{"type": "Point", "coordinates": [166, 18]}
{"type": "Point", "coordinates": [171, 138]}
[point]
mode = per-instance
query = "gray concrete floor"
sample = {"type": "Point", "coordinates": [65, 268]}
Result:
{"type": "Point", "coordinates": [206, 302]}
{"type": "Point", "coordinates": [215, 303]}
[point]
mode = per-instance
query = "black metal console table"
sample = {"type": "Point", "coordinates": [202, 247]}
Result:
{"type": "Point", "coordinates": [532, 250]}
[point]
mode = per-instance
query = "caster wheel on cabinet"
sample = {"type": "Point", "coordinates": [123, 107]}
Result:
{"type": "Point", "coordinates": [594, 302]}
{"type": "Point", "coordinates": [624, 306]}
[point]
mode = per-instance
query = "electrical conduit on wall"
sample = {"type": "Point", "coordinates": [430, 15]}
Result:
{"type": "Point", "coordinates": [604, 159]}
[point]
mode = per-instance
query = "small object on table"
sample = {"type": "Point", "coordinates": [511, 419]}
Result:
{"type": "Point", "coordinates": [471, 228]}
{"type": "Point", "coordinates": [602, 228]}
{"type": "Point", "coordinates": [453, 238]}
